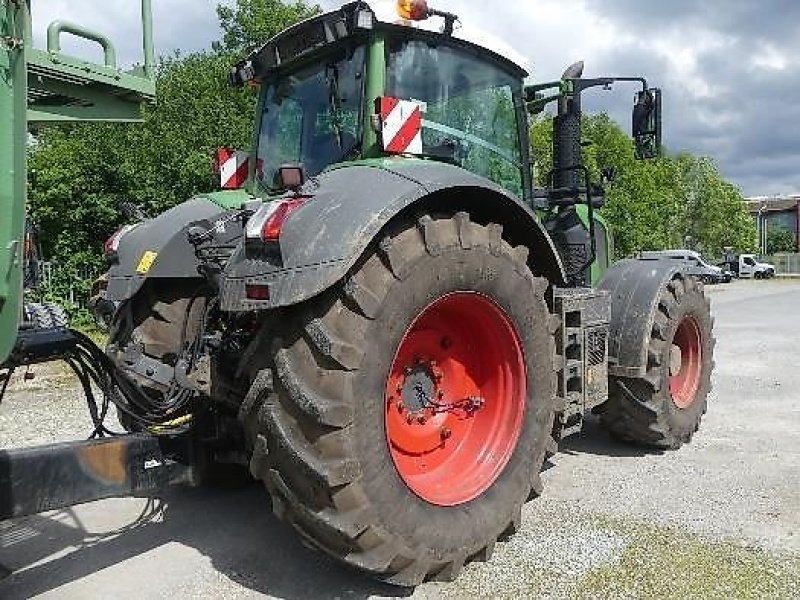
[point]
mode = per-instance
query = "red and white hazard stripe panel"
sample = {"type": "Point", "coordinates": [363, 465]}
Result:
{"type": "Point", "coordinates": [401, 122]}
{"type": "Point", "coordinates": [233, 168]}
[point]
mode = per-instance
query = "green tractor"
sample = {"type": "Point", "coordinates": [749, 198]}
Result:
{"type": "Point", "coordinates": [382, 316]}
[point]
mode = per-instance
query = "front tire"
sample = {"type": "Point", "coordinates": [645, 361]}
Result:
{"type": "Point", "coordinates": [328, 434]}
{"type": "Point", "coordinates": [664, 408]}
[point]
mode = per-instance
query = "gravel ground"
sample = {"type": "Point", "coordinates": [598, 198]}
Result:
{"type": "Point", "coordinates": [719, 518]}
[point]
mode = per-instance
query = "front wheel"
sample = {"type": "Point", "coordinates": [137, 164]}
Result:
{"type": "Point", "coordinates": [664, 408]}
{"type": "Point", "coordinates": [404, 418]}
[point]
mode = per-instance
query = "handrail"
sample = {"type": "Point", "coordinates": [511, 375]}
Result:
{"type": "Point", "coordinates": [147, 39]}
{"type": "Point", "coordinates": [56, 28]}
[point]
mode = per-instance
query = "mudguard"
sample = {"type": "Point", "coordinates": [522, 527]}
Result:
{"type": "Point", "coordinates": [635, 286]}
{"type": "Point", "coordinates": [158, 248]}
{"type": "Point", "coordinates": [351, 204]}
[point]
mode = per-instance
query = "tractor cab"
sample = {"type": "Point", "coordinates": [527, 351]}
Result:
{"type": "Point", "coordinates": [345, 87]}
{"type": "Point", "coordinates": [325, 85]}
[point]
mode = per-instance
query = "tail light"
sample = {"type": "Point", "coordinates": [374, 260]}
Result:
{"type": "Point", "coordinates": [112, 244]}
{"type": "Point", "coordinates": [267, 223]}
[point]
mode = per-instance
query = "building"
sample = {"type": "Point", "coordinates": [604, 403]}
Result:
{"type": "Point", "coordinates": [775, 212]}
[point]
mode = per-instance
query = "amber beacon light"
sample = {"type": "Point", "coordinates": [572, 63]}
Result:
{"type": "Point", "coordinates": [413, 10]}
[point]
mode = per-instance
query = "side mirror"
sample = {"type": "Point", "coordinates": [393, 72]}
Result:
{"type": "Point", "coordinates": [647, 124]}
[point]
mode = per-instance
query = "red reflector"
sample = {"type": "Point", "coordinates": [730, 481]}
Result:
{"type": "Point", "coordinates": [271, 231]}
{"type": "Point", "coordinates": [257, 292]}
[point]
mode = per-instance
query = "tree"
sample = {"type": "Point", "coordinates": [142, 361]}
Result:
{"type": "Point", "coordinates": [780, 240]}
{"type": "Point", "coordinates": [252, 22]}
{"type": "Point", "coordinates": [656, 204]}
{"type": "Point", "coordinates": [716, 215]}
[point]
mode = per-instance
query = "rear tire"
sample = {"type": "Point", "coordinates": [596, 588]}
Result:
{"type": "Point", "coordinates": [44, 315]}
{"type": "Point", "coordinates": [664, 408]}
{"type": "Point", "coordinates": [317, 415]}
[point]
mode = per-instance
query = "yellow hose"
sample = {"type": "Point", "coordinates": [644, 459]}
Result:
{"type": "Point", "coordinates": [171, 424]}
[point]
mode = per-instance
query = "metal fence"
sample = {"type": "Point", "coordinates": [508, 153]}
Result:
{"type": "Point", "coordinates": [785, 264]}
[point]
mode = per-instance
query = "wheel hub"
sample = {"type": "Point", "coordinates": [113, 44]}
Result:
{"type": "Point", "coordinates": [455, 399]}
{"type": "Point", "coordinates": [419, 387]}
{"type": "Point", "coordinates": [674, 359]}
{"type": "Point", "coordinates": [686, 363]}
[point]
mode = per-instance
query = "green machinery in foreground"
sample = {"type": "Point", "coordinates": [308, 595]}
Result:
{"type": "Point", "coordinates": [46, 87]}
{"type": "Point", "coordinates": [380, 315]}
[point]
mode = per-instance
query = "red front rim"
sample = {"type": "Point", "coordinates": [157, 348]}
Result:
{"type": "Point", "coordinates": [686, 364]}
{"type": "Point", "coordinates": [455, 399]}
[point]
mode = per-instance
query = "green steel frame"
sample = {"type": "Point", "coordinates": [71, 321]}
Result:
{"type": "Point", "coordinates": [40, 87]}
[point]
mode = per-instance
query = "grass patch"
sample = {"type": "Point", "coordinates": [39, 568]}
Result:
{"type": "Point", "coordinates": [568, 555]}
{"type": "Point", "coordinates": [668, 563]}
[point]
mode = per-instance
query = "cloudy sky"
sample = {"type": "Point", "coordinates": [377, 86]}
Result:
{"type": "Point", "coordinates": [728, 68]}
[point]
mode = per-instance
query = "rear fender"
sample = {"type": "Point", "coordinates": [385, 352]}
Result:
{"type": "Point", "coordinates": [159, 248]}
{"type": "Point", "coordinates": [635, 286]}
{"type": "Point", "coordinates": [352, 206]}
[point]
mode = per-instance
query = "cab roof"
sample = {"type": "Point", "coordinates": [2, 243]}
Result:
{"type": "Point", "coordinates": [351, 21]}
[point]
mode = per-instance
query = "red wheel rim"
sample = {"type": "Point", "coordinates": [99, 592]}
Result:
{"type": "Point", "coordinates": [686, 363]}
{"type": "Point", "coordinates": [455, 399]}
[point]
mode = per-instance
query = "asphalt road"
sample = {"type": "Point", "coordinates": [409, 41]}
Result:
{"type": "Point", "coordinates": [718, 518]}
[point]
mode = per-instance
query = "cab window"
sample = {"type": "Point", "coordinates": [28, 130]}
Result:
{"type": "Point", "coordinates": [469, 107]}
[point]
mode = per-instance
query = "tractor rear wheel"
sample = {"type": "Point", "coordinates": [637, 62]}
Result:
{"type": "Point", "coordinates": [664, 408]}
{"type": "Point", "coordinates": [404, 417]}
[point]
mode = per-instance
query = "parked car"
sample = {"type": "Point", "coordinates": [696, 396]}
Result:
{"type": "Point", "coordinates": [704, 271]}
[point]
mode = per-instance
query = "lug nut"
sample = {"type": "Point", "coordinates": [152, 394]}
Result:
{"type": "Point", "coordinates": [445, 433]}
{"type": "Point", "coordinates": [441, 394]}
{"type": "Point", "coordinates": [401, 407]}
{"type": "Point", "coordinates": [409, 418]}
{"type": "Point", "coordinates": [407, 371]}
{"type": "Point", "coordinates": [422, 420]}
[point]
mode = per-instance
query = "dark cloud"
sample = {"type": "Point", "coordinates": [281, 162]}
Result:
{"type": "Point", "coordinates": [741, 18]}
{"type": "Point", "coordinates": [742, 111]}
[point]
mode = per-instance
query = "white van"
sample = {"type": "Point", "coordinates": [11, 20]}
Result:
{"type": "Point", "coordinates": [706, 272]}
{"type": "Point", "coordinates": [749, 266]}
